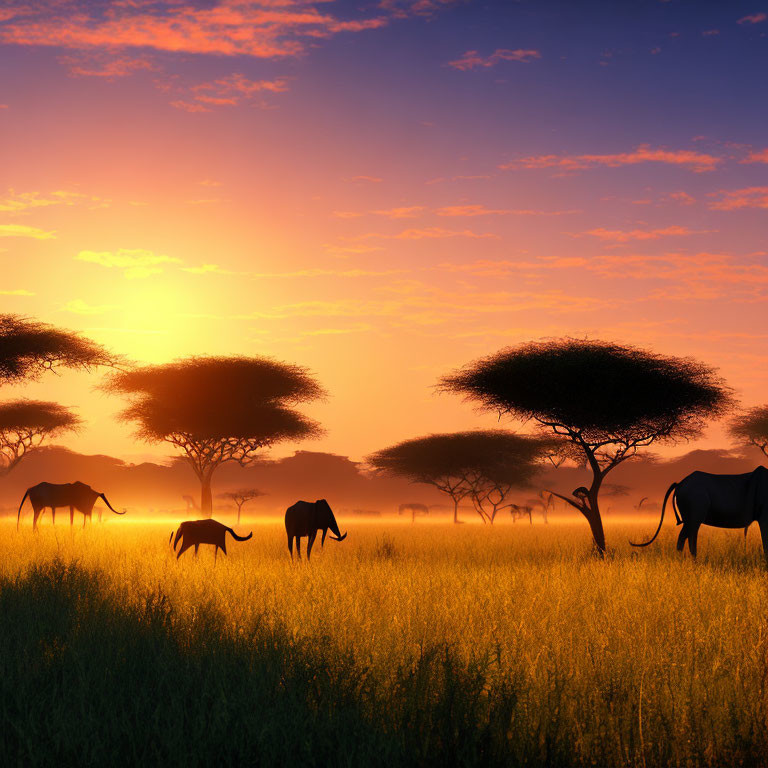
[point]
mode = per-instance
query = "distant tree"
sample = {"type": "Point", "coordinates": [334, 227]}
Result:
{"type": "Point", "coordinates": [29, 348]}
{"type": "Point", "coordinates": [752, 428]}
{"type": "Point", "coordinates": [482, 465]}
{"type": "Point", "coordinates": [607, 400]}
{"type": "Point", "coordinates": [241, 497]}
{"type": "Point", "coordinates": [217, 409]}
{"type": "Point", "coordinates": [26, 424]}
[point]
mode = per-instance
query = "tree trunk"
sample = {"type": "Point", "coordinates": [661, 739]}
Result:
{"type": "Point", "coordinates": [596, 526]}
{"type": "Point", "coordinates": [206, 499]}
{"type": "Point", "coordinates": [455, 511]}
{"type": "Point", "coordinates": [239, 507]}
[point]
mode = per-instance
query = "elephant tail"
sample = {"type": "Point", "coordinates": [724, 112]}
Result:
{"type": "Point", "coordinates": [18, 516]}
{"type": "Point", "coordinates": [240, 538]}
{"type": "Point", "coordinates": [670, 490]}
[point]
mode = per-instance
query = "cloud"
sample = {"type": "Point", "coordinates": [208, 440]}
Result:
{"type": "Point", "coordinates": [694, 161]}
{"type": "Point", "coordinates": [258, 28]}
{"type": "Point", "coordinates": [407, 212]}
{"type": "Point", "coordinates": [20, 202]}
{"type": "Point", "coordinates": [135, 263]}
{"type": "Point", "coordinates": [749, 197]}
{"type": "Point", "coordinates": [206, 269]}
{"type": "Point", "coordinates": [625, 236]}
{"type": "Point", "coordinates": [473, 60]}
{"type": "Point", "coordinates": [22, 230]}
{"type": "Point", "coordinates": [371, 179]}
{"type": "Point", "coordinates": [753, 18]}
{"type": "Point", "coordinates": [110, 67]}
{"type": "Point", "coordinates": [760, 156]}
{"type": "Point", "coordinates": [683, 198]}
{"type": "Point", "coordinates": [17, 292]}
{"type": "Point", "coordinates": [481, 210]}
{"type": "Point", "coordinates": [435, 233]}
{"type": "Point", "coordinates": [79, 307]}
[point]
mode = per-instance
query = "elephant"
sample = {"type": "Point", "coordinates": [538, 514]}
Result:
{"type": "Point", "coordinates": [197, 532]}
{"type": "Point", "coordinates": [306, 518]}
{"type": "Point", "coordinates": [73, 495]}
{"type": "Point", "coordinates": [722, 501]}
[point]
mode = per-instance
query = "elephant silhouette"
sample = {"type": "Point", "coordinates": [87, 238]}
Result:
{"type": "Point", "coordinates": [306, 518]}
{"type": "Point", "coordinates": [76, 496]}
{"type": "Point", "coordinates": [197, 532]}
{"type": "Point", "coordinates": [722, 501]}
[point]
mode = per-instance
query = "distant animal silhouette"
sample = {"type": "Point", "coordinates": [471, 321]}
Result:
{"type": "Point", "coordinates": [722, 501]}
{"type": "Point", "coordinates": [191, 504]}
{"type": "Point", "coordinates": [520, 512]}
{"type": "Point", "coordinates": [197, 532]}
{"type": "Point", "coordinates": [414, 508]}
{"type": "Point", "coordinates": [306, 518]}
{"type": "Point", "coordinates": [73, 495]}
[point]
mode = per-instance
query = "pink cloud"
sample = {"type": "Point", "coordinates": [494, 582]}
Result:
{"type": "Point", "coordinates": [473, 60]}
{"type": "Point", "coordinates": [481, 210]}
{"type": "Point", "coordinates": [749, 197]}
{"type": "Point", "coordinates": [759, 156]}
{"type": "Point", "coordinates": [625, 236]}
{"type": "Point", "coordinates": [260, 28]}
{"type": "Point", "coordinates": [694, 161]}
{"type": "Point", "coordinates": [105, 66]}
{"type": "Point", "coordinates": [753, 18]}
{"type": "Point", "coordinates": [406, 212]}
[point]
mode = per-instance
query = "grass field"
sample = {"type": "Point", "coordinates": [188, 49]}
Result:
{"type": "Point", "coordinates": [430, 644]}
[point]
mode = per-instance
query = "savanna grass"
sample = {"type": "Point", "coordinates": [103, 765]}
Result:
{"type": "Point", "coordinates": [404, 645]}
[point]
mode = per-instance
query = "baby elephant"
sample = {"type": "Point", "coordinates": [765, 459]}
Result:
{"type": "Point", "coordinates": [199, 532]}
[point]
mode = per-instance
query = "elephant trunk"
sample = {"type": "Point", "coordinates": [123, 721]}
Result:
{"type": "Point", "coordinates": [335, 533]}
{"type": "Point", "coordinates": [110, 506]}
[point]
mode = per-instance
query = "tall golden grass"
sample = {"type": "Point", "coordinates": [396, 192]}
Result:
{"type": "Point", "coordinates": [645, 658]}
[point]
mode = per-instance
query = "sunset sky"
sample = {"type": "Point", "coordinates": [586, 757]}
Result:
{"type": "Point", "coordinates": [383, 190]}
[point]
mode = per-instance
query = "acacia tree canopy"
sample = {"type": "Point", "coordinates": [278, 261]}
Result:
{"type": "Point", "coordinates": [461, 463]}
{"type": "Point", "coordinates": [25, 424]}
{"type": "Point", "coordinates": [217, 409]}
{"type": "Point", "coordinates": [28, 348]}
{"type": "Point", "coordinates": [752, 428]}
{"type": "Point", "coordinates": [607, 399]}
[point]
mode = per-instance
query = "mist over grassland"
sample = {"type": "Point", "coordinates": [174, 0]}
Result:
{"type": "Point", "coordinates": [339, 479]}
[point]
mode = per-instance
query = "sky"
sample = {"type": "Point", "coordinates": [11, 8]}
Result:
{"type": "Point", "coordinates": [383, 190]}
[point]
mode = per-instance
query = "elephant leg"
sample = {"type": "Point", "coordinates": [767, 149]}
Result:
{"type": "Point", "coordinates": [682, 537]}
{"type": "Point", "coordinates": [53, 515]}
{"type": "Point", "coordinates": [71, 515]}
{"type": "Point", "coordinates": [223, 546]}
{"type": "Point", "coordinates": [692, 537]}
{"type": "Point", "coordinates": [290, 545]}
{"type": "Point", "coordinates": [298, 547]}
{"type": "Point", "coordinates": [184, 547]}
{"type": "Point", "coordinates": [35, 517]}
{"type": "Point", "coordinates": [197, 546]}
{"type": "Point", "coordinates": [764, 536]}
{"type": "Point", "coordinates": [310, 542]}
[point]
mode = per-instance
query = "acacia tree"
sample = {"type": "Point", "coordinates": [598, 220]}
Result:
{"type": "Point", "coordinates": [27, 350]}
{"type": "Point", "coordinates": [752, 428]}
{"type": "Point", "coordinates": [604, 399]}
{"type": "Point", "coordinates": [217, 409]}
{"type": "Point", "coordinates": [463, 464]}
{"type": "Point", "coordinates": [25, 424]}
{"type": "Point", "coordinates": [242, 496]}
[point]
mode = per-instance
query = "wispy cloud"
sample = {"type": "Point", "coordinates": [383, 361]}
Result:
{"type": "Point", "coordinates": [735, 199]}
{"type": "Point", "coordinates": [135, 263]}
{"type": "Point", "coordinates": [22, 230]}
{"type": "Point", "coordinates": [20, 202]}
{"type": "Point", "coordinates": [258, 28]}
{"type": "Point", "coordinates": [628, 235]}
{"type": "Point", "coordinates": [482, 210]}
{"type": "Point", "coordinates": [426, 233]}
{"type": "Point", "coordinates": [473, 60]}
{"type": "Point", "coordinates": [405, 212]}
{"type": "Point", "coordinates": [229, 91]}
{"type": "Point", "coordinates": [756, 156]}
{"type": "Point", "coordinates": [80, 307]}
{"type": "Point", "coordinates": [105, 64]}
{"type": "Point", "coordinates": [753, 18]}
{"type": "Point", "coordinates": [17, 292]}
{"type": "Point", "coordinates": [698, 162]}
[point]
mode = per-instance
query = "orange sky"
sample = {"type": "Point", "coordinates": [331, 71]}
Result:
{"type": "Point", "coordinates": [382, 192]}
